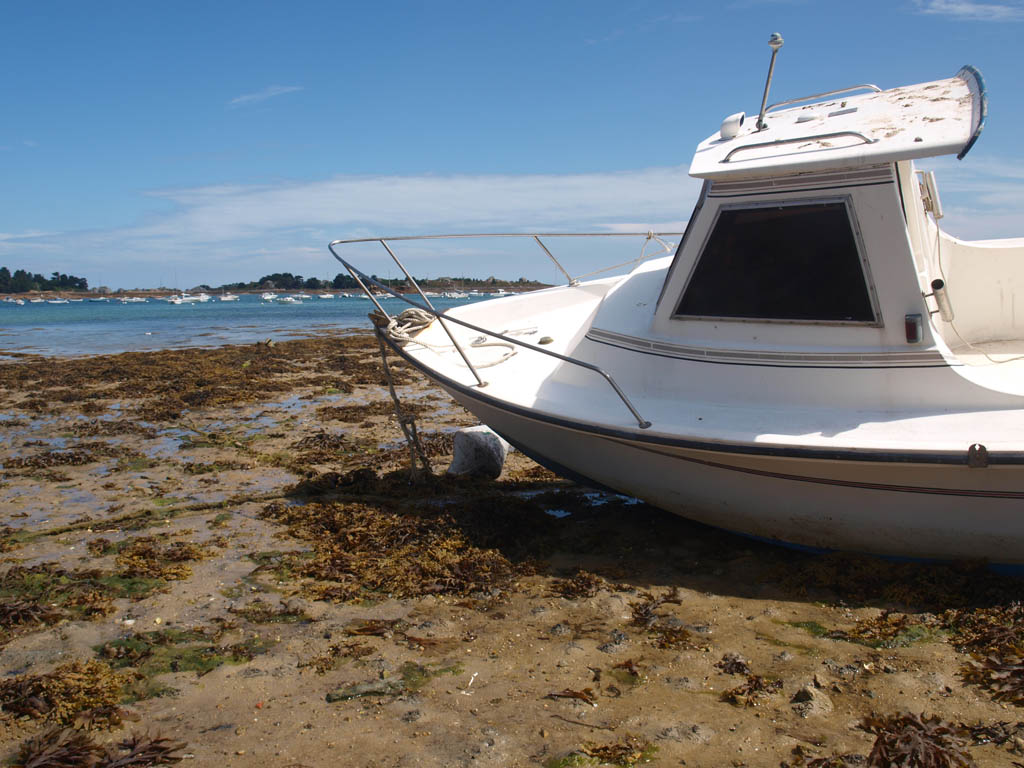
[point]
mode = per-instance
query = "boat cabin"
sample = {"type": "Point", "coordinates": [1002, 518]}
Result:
{"type": "Point", "coordinates": [815, 242]}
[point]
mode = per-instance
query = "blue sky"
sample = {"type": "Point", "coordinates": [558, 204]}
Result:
{"type": "Point", "coordinates": [154, 143]}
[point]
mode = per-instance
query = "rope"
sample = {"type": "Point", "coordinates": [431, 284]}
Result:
{"type": "Point", "coordinates": [403, 328]}
{"type": "Point", "coordinates": [406, 421]}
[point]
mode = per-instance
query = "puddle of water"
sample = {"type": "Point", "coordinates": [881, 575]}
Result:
{"type": "Point", "coordinates": [163, 447]}
{"type": "Point", "coordinates": [559, 513]}
{"type": "Point", "coordinates": [79, 496]}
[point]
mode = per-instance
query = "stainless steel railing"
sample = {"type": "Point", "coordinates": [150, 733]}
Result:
{"type": "Point", "coordinates": [363, 280]}
{"type": "Point", "coordinates": [799, 140]}
{"type": "Point", "coordinates": [826, 94]}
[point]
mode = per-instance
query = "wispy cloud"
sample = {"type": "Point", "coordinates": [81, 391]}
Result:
{"type": "Point", "coordinates": [223, 233]}
{"type": "Point", "coordinates": [267, 93]}
{"type": "Point", "coordinates": [968, 10]}
{"type": "Point", "coordinates": [982, 196]}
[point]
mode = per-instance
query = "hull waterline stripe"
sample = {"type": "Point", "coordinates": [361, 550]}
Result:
{"type": "Point", "coordinates": [832, 481]}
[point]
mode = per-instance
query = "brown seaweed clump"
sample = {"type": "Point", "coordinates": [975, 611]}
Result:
{"type": "Point", "coordinates": [149, 557]}
{"type": "Point", "coordinates": [361, 550]}
{"type": "Point", "coordinates": [628, 751]}
{"type": "Point", "coordinates": [70, 748]}
{"type": "Point", "coordinates": [1000, 672]}
{"type": "Point", "coordinates": [8, 539]}
{"type": "Point", "coordinates": [890, 629]}
{"type": "Point", "coordinates": [61, 695]}
{"type": "Point", "coordinates": [916, 740]}
{"type": "Point", "coordinates": [733, 664]}
{"type": "Point", "coordinates": [48, 590]}
{"type": "Point", "coordinates": [804, 758]}
{"type": "Point", "coordinates": [582, 584]}
{"type": "Point", "coordinates": [752, 692]}
{"type": "Point", "coordinates": [204, 377]}
{"type": "Point", "coordinates": [995, 639]}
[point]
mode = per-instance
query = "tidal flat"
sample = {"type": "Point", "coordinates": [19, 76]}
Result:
{"type": "Point", "coordinates": [221, 556]}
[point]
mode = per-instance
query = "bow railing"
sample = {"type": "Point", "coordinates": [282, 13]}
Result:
{"type": "Point", "coordinates": [365, 281]}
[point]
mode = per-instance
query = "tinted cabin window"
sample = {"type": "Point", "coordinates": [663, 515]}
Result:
{"type": "Point", "coordinates": [792, 262]}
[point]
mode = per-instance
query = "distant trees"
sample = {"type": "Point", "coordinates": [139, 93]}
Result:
{"type": "Point", "coordinates": [343, 282]}
{"type": "Point", "coordinates": [21, 281]}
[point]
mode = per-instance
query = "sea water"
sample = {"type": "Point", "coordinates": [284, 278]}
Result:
{"type": "Point", "coordinates": [107, 327]}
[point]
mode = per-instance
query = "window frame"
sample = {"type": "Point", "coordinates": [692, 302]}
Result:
{"type": "Point", "coordinates": [847, 202]}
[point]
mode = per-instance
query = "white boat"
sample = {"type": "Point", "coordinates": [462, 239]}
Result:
{"type": "Point", "coordinates": [57, 301]}
{"type": "Point", "coordinates": [287, 300]}
{"type": "Point", "coordinates": [817, 362]}
{"type": "Point", "coordinates": [228, 297]}
{"type": "Point", "coordinates": [268, 296]}
{"type": "Point", "coordinates": [190, 298]}
{"type": "Point", "coordinates": [134, 300]}
{"type": "Point", "coordinates": [36, 300]}
{"type": "Point", "coordinates": [326, 295]}
{"type": "Point", "coordinates": [301, 296]}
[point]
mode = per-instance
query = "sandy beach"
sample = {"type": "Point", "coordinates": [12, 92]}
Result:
{"type": "Point", "coordinates": [223, 552]}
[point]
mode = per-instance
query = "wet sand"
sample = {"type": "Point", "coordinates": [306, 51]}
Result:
{"type": "Point", "coordinates": [224, 549]}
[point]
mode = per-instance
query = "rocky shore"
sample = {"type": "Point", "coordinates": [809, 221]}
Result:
{"type": "Point", "coordinates": [220, 557]}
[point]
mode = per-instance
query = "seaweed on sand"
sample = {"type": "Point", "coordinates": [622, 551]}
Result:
{"type": "Point", "coordinates": [59, 696]}
{"type": "Point", "coordinates": [56, 458]}
{"type": "Point", "coordinates": [663, 631]}
{"type": "Point", "coordinates": [752, 692]}
{"type": "Point", "coordinates": [908, 739]}
{"type": "Point", "coordinates": [411, 678]}
{"type": "Point", "coordinates": [9, 539]}
{"type": "Point", "coordinates": [70, 748]}
{"type": "Point", "coordinates": [149, 557]}
{"type": "Point", "coordinates": [74, 594]}
{"type": "Point", "coordinates": [994, 637]}
{"type": "Point", "coordinates": [890, 629]}
{"type": "Point", "coordinates": [262, 612]}
{"type": "Point", "coordinates": [644, 611]}
{"type": "Point", "coordinates": [354, 414]}
{"type": "Point", "coordinates": [733, 664]}
{"type": "Point", "coordinates": [805, 758]}
{"type": "Point", "coordinates": [582, 584]}
{"type": "Point", "coordinates": [1001, 672]}
{"type": "Point", "coordinates": [335, 655]}
{"type": "Point", "coordinates": [60, 748]}
{"type": "Point", "coordinates": [175, 650]}
{"type": "Point", "coordinates": [16, 612]}
{"type": "Point", "coordinates": [112, 428]}
{"type": "Point", "coordinates": [863, 580]}
{"type": "Point", "coordinates": [628, 751]}
{"type": "Point", "coordinates": [203, 377]}
{"type": "Point", "coordinates": [361, 551]}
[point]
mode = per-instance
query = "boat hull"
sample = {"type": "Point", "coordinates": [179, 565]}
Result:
{"type": "Point", "coordinates": [928, 511]}
{"type": "Point", "coordinates": [926, 507]}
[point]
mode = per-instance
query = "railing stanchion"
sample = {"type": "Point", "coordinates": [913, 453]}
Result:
{"type": "Point", "coordinates": [367, 291]}
{"type": "Point", "coordinates": [480, 382]}
{"type": "Point", "coordinates": [570, 278]}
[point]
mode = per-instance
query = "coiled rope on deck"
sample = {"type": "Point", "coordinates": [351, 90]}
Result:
{"type": "Point", "coordinates": [403, 328]}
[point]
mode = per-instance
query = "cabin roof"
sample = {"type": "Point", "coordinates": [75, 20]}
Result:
{"type": "Point", "coordinates": [937, 118]}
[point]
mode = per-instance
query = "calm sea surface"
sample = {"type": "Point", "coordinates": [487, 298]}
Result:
{"type": "Point", "coordinates": [89, 328]}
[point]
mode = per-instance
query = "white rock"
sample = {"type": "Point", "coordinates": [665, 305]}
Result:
{"type": "Point", "coordinates": [478, 451]}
